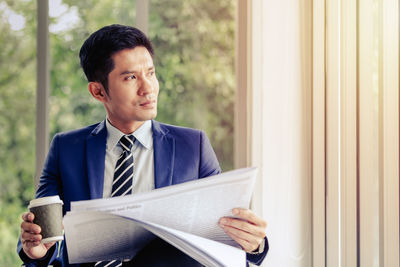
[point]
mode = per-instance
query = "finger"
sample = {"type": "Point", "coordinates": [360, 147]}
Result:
{"type": "Point", "coordinates": [28, 237]}
{"type": "Point", "coordinates": [250, 216]}
{"type": "Point", "coordinates": [245, 244]}
{"type": "Point", "coordinates": [30, 227]}
{"type": "Point", "coordinates": [243, 226]}
{"type": "Point", "coordinates": [252, 239]}
{"type": "Point", "coordinates": [28, 216]}
{"type": "Point", "coordinates": [29, 244]}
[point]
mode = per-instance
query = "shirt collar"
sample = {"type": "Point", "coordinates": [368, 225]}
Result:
{"type": "Point", "coordinates": [143, 135]}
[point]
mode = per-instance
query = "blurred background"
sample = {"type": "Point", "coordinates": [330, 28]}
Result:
{"type": "Point", "coordinates": [194, 59]}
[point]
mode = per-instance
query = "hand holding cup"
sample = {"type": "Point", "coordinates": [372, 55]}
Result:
{"type": "Point", "coordinates": [42, 226]}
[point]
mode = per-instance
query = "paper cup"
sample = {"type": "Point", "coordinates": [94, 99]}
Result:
{"type": "Point", "coordinates": [48, 215]}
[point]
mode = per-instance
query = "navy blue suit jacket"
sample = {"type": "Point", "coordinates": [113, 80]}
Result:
{"type": "Point", "coordinates": [74, 168]}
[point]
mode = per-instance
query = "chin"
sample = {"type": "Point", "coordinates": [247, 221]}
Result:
{"type": "Point", "coordinates": [149, 117]}
{"type": "Point", "coordinates": [153, 115]}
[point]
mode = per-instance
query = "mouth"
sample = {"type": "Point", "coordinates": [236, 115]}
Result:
{"type": "Point", "coordinates": [148, 104]}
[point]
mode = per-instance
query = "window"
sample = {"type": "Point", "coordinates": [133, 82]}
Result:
{"type": "Point", "coordinates": [17, 119]}
{"type": "Point", "coordinates": [194, 54]}
{"type": "Point", "coordinates": [194, 44]}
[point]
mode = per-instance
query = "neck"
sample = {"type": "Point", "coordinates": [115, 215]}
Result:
{"type": "Point", "coordinates": [126, 128]}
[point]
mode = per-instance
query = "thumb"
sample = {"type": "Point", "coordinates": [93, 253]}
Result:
{"type": "Point", "coordinates": [49, 245]}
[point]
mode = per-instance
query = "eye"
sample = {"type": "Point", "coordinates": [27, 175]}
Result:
{"type": "Point", "coordinates": [151, 73]}
{"type": "Point", "coordinates": [130, 77]}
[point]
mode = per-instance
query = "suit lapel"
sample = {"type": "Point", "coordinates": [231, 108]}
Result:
{"type": "Point", "coordinates": [95, 158]}
{"type": "Point", "coordinates": [164, 154]}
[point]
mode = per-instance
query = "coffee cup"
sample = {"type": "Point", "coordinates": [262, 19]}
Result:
{"type": "Point", "coordinates": [48, 215]}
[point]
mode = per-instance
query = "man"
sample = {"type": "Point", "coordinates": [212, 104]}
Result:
{"type": "Point", "coordinates": [88, 163]}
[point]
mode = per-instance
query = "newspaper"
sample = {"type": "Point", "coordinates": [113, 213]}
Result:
{"type": "Point", "coordinates": [185, 215]}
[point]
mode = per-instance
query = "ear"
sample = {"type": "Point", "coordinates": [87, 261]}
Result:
{"type": "Point", "coordinates": [97, 90]}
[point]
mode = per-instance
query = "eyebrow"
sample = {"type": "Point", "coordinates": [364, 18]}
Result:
{"type": "Point", "coordinates": [132, 71]}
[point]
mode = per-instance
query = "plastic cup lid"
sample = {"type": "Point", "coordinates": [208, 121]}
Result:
{"type": "Point", "coordinates": [44, 201]}
{"type": "Point", "coordinates": [52, 239]}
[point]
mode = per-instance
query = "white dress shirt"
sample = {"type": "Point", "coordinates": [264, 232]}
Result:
{"type": "Point", "coordinates": [143, 157]}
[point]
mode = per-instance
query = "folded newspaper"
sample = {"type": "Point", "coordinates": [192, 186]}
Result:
{"type": "Point", "coordinates": [185, 215]}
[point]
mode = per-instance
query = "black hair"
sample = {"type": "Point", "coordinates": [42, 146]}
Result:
{"type": "Point", "coordinates": [97, 50]}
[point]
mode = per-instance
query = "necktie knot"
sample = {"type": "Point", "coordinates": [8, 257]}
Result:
{"type": "Point", "coordinates": [126, 142]}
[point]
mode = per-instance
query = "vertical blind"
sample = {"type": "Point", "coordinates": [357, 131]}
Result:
{"type": "Point", "coordinates": [356, 88]}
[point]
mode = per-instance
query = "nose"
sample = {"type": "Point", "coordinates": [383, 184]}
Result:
{"type": "Point", "coordinates": [146, 87]}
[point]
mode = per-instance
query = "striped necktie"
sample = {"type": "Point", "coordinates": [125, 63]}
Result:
{"type": "Point", "coordinates": [123, 174]}
{"type": "Point", "coordinates": [122, 184]}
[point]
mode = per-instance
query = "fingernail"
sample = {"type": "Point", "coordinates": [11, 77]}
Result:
{"type": "Point", "coordinates": [222, 221]}
{"type": "Point", "coordinates": [235, 211]}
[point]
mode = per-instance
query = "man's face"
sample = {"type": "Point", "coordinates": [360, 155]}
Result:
{"type": "Point", "coordinates": [132, 88]}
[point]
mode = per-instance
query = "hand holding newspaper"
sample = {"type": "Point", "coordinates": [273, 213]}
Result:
{"type": "Point", "coordinates": [185, 215]}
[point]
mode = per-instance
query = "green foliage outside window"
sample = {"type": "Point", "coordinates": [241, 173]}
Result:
{"type": "Point", "coordinates": [194, 46]}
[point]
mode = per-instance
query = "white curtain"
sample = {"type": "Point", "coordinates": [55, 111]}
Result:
{"type": "Point", "coordinates": [323, 127]}
{"type": "Point", "coordinates": [280, 122]}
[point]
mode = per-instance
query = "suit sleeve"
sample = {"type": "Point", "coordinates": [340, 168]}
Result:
{"type": "Point", "coordinates": [209, 164]}
{"type": "Point", "coordinates": [257, 259]}
{"type": "Point", "coordinates": [49, 185]}
{"type": "Point", "coordinates": [50, 182]}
